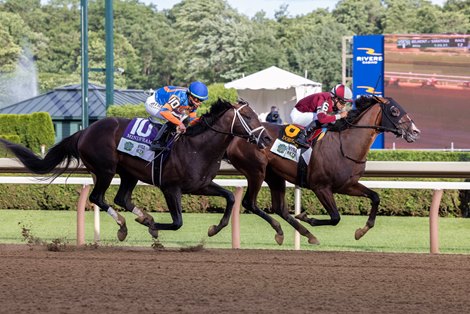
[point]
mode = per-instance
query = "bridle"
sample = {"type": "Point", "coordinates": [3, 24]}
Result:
{"type": "Point", "coordinates": [250, 133]}
{"type": "Point", "coordinates": [391, 124]}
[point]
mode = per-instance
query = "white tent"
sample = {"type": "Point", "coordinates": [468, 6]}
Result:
{"type": "Point", "coordinates": [274, 87]}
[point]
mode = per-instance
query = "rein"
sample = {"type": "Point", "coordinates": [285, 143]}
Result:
{"type": "Point", "coordinates": [250, 133]}
{"type": "Point", "coordinates": [346, 156]}
{"type": "Point", "coordinates": [374, 127]}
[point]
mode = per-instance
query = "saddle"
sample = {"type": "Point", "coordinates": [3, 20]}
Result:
{"type": "Point", "coordinates": [286, 146]}
{"type": "Point", "coordinates": [136, 141]}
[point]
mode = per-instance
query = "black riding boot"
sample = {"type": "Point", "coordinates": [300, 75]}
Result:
{"type": "Point", "coordinates": [159, 142]}
{"type": "Point", "coordinates": [302, 137]}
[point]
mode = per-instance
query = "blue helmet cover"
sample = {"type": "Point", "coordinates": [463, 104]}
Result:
{"type": "Point", "coordinates": [199, 90]}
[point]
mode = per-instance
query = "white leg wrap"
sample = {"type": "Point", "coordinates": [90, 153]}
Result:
{"type": "Point", "coordinates": [137, 211]}
{"type": "Point", "coordinates": [112, 213]}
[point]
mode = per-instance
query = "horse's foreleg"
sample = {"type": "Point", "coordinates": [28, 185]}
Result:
{"type": "Point", "coordinates": [214, 189]}
{"type": "Point", "coordinates": [249, 202]}
{"type": "Point", "coordinates": [360, 190]}
{"type": "Point", "coordinates": [124, 199]}
{"type": "Point", "coordinates": [277, 186]}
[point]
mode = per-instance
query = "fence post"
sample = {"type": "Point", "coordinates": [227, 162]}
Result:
{"type": "Point", "coordinates": [236, 218]}
{"type": "Point", "coordinates": [297, 209]}
{"type": "Point", "coordinates": [81, 214]}
{"type": "Point", "coordinates": [96, 211]}
{"type": "Point", "coordinates": [434, 221]}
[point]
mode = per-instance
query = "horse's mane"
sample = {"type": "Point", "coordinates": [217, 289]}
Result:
{"type": "Point", "coordinates": [362, 104]}
{"type": "Point", "coordinates": [209, 118]}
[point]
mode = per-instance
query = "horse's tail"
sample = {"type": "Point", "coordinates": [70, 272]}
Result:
{"type": "Point", "coordinates": [65, 151]}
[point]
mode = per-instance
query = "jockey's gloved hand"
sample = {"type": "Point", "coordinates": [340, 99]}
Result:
{"type": "Point", "coordinates": [181, 128]}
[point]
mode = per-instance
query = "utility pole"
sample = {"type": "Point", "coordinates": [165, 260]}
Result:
{"type": "Point", "coordinates": [84, 48]}
{"type": "Point", "coordinates": [109, 30]}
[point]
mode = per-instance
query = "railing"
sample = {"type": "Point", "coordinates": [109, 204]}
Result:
{"type": "Point", "coordinates": [437, 187]}
{"type": "Point", "coordinates": [382, 169]}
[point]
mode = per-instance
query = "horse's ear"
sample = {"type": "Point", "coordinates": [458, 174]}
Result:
{"type": "Point", "coordinates": [242, 101]}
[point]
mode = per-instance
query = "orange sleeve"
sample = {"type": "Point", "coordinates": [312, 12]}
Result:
{"type": "Point", "coordinates": [193, 119]}
{"type": "Point", "coordinates": [166, 111]}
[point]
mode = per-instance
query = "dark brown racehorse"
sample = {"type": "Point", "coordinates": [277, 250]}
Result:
{"type": "Point", "coordinates": [191, 166]}
{"type": "Point", "coordinates": [336, 165]}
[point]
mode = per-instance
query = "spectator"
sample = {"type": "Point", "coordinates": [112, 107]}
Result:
{"type": "Point", "coordinates": [273, 116]}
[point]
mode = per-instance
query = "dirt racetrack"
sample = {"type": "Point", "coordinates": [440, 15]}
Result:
{"type": "Point", "coordinates": [143, 280]}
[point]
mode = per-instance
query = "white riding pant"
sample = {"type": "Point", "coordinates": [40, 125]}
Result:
{"type": "Point", "coordinates": [153, 109]}
{"type": "Point", "coordinates": [302, 118]}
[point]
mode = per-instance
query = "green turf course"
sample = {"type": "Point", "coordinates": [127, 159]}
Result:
{"type": "Point", "coordinates": [391, 234]}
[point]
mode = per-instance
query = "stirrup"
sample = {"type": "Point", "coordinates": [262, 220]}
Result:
{"type": "Point", "coordinates": [303, 143]}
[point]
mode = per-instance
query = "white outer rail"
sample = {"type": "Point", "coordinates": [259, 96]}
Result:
{"type": "Point", "coordinates": [437, 187]}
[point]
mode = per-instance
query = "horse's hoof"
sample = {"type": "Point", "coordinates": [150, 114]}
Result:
{"type": "Point", "coordinates": [313, 240]}
{"type": "Point", "coordinates": [122, 232]}
{"type": "Point", "coordinates": [301, 216]}
{"type": "Point", "coordinates": [153, 233]}
{"type": "Point", "coordinates": [279, 238]}
{"type": "Point", "coordinates": [359, 234]}
{"type": "Point", "coordinates": [212, 231]}
{"type": "Point", "coordinates": [145, 220]}
{"type": "Point", "coordinates": [142, 220]}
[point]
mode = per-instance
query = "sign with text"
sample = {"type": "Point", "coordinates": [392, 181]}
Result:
{"type": "Point", "coordinates": [368, 70]}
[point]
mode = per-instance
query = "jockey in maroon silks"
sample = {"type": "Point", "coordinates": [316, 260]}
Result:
{"type": "Point", "coordinates": [319, 109]}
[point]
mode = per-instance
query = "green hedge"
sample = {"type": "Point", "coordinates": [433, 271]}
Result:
{"type": "Point", "coordinates": [31, 130]}
{"type": "Point", "coordinates": [393, 201]}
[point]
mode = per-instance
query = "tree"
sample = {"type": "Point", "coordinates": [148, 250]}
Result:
{"type": "Point", "coordinates": [152, 39]}
{"type": "Point", "coordinates": [456, 16]}
{"type": "Point", "coordinates": [319, 52]}
{"type": "Point", "coordinates": [211, 36]}
{"type": "Point", "coordinates": [9, 49]}
{"type": "Point", "coordinates": [415, 16]}
{"type": "Point", "coordinates": [17, 70]}
{"type": "Point", "coordinates": [362, 17]}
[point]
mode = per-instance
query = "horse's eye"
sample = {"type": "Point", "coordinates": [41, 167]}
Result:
{"type": "Point", "coordinates": [394, 111]}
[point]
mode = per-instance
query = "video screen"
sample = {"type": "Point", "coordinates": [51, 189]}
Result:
{"type": "Point", "coordinates": [429, 74]}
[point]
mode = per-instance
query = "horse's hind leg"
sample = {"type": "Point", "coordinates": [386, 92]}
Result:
{"type": "Point", "coordinates": [214, 189]}
{"type": "Point", "coordinates": [124, 199]}
{"type": "Point", "coordinates": [277, 186]}
{"type": "Point", "coordinates": [358, 189]}
{"type": "Point", "coordinates": [102, 182]}
{"type": "Point", "coordinates": [325, 196]}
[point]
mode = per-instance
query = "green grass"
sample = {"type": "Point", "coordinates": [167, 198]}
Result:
{"type": "Point", "coordinates": [391, 234]}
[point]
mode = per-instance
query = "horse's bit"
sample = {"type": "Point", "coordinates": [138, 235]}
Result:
{"type": "Point", "coordinates": [251, 136]}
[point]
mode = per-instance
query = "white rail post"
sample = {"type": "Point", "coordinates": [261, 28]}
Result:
{"type": "Point", "coordinates": [96, 211]}
{"type": "Point", "coordinates": [236, 218]}
{"type": "Point", "coordinates": [297, 208]}
{"type": "Point", "coordinates": [81, 214]}
{"type": "Point", "coordinates": [434, 221]}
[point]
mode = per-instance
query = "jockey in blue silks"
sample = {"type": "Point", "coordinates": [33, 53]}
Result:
{"type": "Point", "coordinates": [173, 105]}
